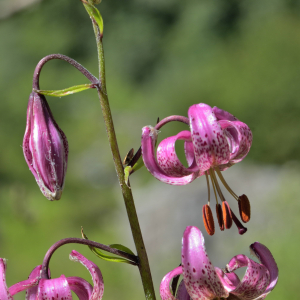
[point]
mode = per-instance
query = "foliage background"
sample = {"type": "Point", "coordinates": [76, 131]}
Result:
{"type": "Point", "coordinates": [161, 57]}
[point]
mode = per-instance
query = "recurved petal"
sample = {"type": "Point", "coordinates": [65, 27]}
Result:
{"type": "Point", "coordinates": [255, 280]}
{"type": "Point", "coordinates": [199, 275]}
{"type": "Point", "coordinates": [4, 292]}
{"type": "Point", "coordinates": [223, 114]}
{"type": "Point", "coordinates": [229, 280]}
{"type": "Point", "coordinates": [266, 258]}
{"type": "Point", "coordinates": [80, 287]}
{"type": "Point", "coordinates": [239, 137]}
{"type": "Point", "coordinates": [95, 272]}
{"type": "Point", "coordinates": [149, 136]}
{"type": "Point", "coordinates": [164, 290]}
{"type": "Point", "coordinates": [32, 291]}
{"type": "Point", "coordinates": [167, 158]}
{"type": "Point", "coordinates": [31, 282]}
{"type": "Point", "coordinates": [210, 143]}
{"type": "Point", "coordinates": [54, 289]}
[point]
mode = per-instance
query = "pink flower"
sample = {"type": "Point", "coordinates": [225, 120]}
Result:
{"type": "Point", "coordinates": [45, 148]}
{"type": "Point", "coordinates": [216, 141]}
{"type": "Point", "coordinates": [57, 288]}
{"type": "Point", "coordinates": [203, 281]}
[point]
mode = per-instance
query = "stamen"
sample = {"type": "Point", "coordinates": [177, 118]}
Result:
{"type": "Point", "coordinates": [208, 187]}
{"type": "Point", "coordinates": [227, 216]}
{"type": "Point", "coordinates": [208, 219]}
{"type": "Point", "coordinates": [220, 216]}
{"type": "Point", "coordinates": [213, 184]}
{"type": "Point", "coordinates": [244, 208]}
{"type": "Point", "coordinates": [238, 224]}
{"type": "Point", "coordinates": [215, 181]}
{"type": "Point", "coordinates": [234, 195]}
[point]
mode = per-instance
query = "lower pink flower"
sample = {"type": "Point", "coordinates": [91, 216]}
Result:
{"type": "Point", "coordinates": [203, 281]}
{"type": "Point", "coordinates": [57, 288]}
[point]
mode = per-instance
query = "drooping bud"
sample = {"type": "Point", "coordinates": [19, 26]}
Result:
{"type": "Point", "coordinates": [208, 219]}
{"type": "Point", "coordinates": [244, 208]}
{"type": "Point", "coordinates": [227, 217]}
{"type": "Point", "coordinates": [45, 147]}
{"type": "Point", "coordinates": [220, 216]}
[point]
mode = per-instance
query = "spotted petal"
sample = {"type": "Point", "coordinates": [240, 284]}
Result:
{"type": "Point", "coordinates": [4, 292]}
{"type": "Point", "coordinates": [199, 275]}
{"type": "Point", "coordinates": [182, 293]}
{"type": "Point", "coordinates": [210, 143]}
{"type": "Point", "coordinates": [167, 158]}
{"type": "Point", "coordinates": [255, 280]}
{"type": "Point", "coordinates": [80, 287]}
{"type": "Point", "coordinates": [164, 289]}
{"type": "Point", "coordinates": [54, 289]}
{"type": "Point", "coordinates": [229, 280]}
{"type": "Point", "coordinates": [266, 258]}
{"type": "Point", "coordinates": [31, 282]}
{"type": "Point", "coordinates": [149, 136]}
{"type": "Point", "coordinates": [98, 288]}
{"type": "Point", "coordinates": [32, 291]}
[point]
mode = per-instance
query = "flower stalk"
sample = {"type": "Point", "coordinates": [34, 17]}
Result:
{"type": "Point", "coordinates": [144, 266]}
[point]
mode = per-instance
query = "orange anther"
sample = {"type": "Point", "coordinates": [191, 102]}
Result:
{"type": "Point", "coordinates": [244, 208]}
{"type": "Point", "coordinates": [208, 219]}
{"type": "Point", "coordinates": [220, 216]}
{"type": "Point", "coordinates": [227, 217]}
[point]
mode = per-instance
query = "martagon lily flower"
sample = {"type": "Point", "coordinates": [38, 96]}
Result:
{"type": "Point", "coordinates": [57, 288]}
{"type": "Point", "coordinates": [45, 147]}
{"type": "Point", "coordinates": [216, 141]}
{"type": "Point", "coordinates": [203, 281]}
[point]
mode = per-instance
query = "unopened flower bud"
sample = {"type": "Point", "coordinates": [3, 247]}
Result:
{"type": "Point", "coordinates": [45, 147]}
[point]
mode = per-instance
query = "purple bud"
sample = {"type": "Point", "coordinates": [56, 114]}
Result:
{"type": "Point", "coordinates": [45, 147]}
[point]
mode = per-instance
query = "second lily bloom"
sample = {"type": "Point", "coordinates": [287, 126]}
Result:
{"type": "Point", "coordinates": [45, 147]}
{"type": "Point", "coordinates": [216, 141]}
{"type": "Point", "coordinates": [203, 281]}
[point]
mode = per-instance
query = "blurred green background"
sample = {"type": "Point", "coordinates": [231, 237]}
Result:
{"type": "Point", "coordinates": [161, 57]}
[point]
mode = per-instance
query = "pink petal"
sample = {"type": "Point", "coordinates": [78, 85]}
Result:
{"type": "Point", "coordinates": [167, 158]}
{"type": "Point", "coordinates": [80, 287]}
{"type": "Point", "coordinates": [199, 275]}
{"type": "Point", "coordinates": [210, 143]}
{"type": "Point", "coordinates": [32, 291]}
{"type": "Point", "coordinates": [98, 288]}
{"type": "Point", "coordinates": [149, 136]}
{"type": "Point", "coordinates": [242, 136]}
{"type": "Point", "coordinates": [164, 289]}
{"type": "Point", "coordinates": [32, 281]}
{"type": "Point", "coordinates": [266, 258]}
{"type": "Point", "coordinates": [4, 292]}
{"type": "Point", "coordinates": [54, 289]}
{"type": "Point", "coordinates": [255, 280]}
{"type": "Point", "coordinates": [182, 293]}
{"type": "Point", "coordinates": [223, 114]}
{"type": "Point", "coordinates": [229, 280]}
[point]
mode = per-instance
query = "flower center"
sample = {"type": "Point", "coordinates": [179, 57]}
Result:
{"type": "Point", "coordinates": [224, 213]}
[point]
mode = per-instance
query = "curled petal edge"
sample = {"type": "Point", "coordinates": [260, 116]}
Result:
{"type": "Point", "coordinates": [95, 272]}
{"type": "Point", "coordinates": [164, 290]}
{"type": "Point", "coordinates": [149, 137]}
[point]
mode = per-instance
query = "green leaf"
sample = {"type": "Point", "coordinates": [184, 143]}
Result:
{"type": "Point", "coordinates": [107, 257]}
{"type": "Point", "coordinates": [94, 14]}
{"type": "Point", "coordinates": [122, 248]}
{"type": "Point", "coordinates": [65, 92]}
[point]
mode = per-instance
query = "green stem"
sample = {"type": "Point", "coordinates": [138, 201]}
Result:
{"type": "Point", "coordinates": [144, 267]}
